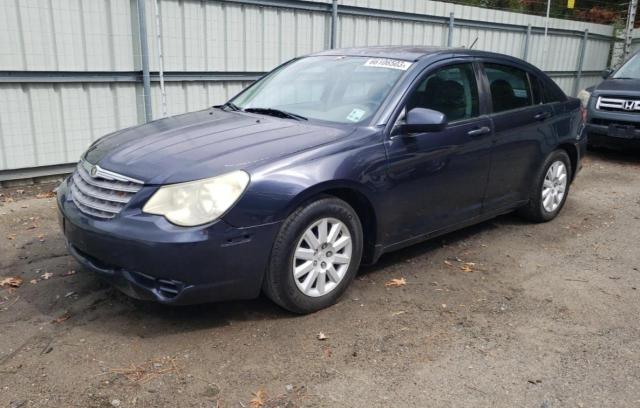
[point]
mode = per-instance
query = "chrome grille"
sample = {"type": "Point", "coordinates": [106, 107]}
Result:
{"type": "Point", "coordinates": [99, 192]}
{"type": "Point", "coordinates": [618, 104]}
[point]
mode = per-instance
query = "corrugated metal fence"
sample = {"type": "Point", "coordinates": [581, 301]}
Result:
{"type": "Point", "coordinates": [73, 70]}
{"type": "Point", "coordinates": [635, 43]}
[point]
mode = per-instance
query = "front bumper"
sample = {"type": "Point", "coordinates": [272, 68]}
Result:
{"type": "Point", "coordinates": [612, 127]}
{"type": "Point", "coordinates": [149, 258]}
{"type": "Point", "coordinates": [623, 136]}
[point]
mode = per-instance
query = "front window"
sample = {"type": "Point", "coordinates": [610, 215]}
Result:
{"type": "Point", "coordinates": [630, 69]}
{"type": "Point", "coordinates": [331, 88]}
{"type": "Point", "coordinates": [451, 90]}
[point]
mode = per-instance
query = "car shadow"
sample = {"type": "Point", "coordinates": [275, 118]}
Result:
{"type": "Point", "coordinates": [617, 156]}
{"type": "Point", "coordinates": [96, 306]}
{"type": "Point", "coordinates": [433, 244]}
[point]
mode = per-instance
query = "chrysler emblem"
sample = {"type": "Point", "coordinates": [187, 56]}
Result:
{"type": "Point", "coordinates": [629, 105]}
{"type": "Point", "coordinates": [93, 171]}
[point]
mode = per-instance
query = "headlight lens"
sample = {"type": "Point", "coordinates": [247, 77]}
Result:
{"type": "Point", "coordinates": [198, 202]}
{"type": "Point", "coordinates": [584, 97]}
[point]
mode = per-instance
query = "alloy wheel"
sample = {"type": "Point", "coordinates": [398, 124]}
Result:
{"type": "Point", "coordinates": [554, 186]}
{"type": "Point", "coordinates": [322, 257]}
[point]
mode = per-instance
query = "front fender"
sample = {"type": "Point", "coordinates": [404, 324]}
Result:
{"type": "Point", "coordinates": [276, 190]}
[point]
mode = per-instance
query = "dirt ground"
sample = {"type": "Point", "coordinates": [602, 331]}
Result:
{"type": "Point", "coordinates": [545, 316]}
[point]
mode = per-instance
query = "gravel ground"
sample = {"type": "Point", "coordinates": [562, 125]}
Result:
{"type": "Point", "coordinates": [546, 316]}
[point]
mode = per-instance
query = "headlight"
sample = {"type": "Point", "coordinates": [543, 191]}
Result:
{"type": "Point", "coordinates": [198, 202]}
{"type": "Point", "coordinates": [584, 97]}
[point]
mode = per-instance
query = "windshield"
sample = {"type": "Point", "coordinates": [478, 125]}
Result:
{"type": "Point", "coordinates": [631, 69]}
{"type": "Point", "coordinates": [336, 89]}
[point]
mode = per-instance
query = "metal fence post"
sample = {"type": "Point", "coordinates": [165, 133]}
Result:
{"type": "Point", "coordinates": [527, 41]}
{"type": "Point", "coordinates": [583, 51]}
{"type": "Point", "coordinates": [628, 32]}
{"type": "Point", "coordinates": [451, 27]}
{"type": "Point", "coordinates": [144, 57]}
{"type": "Point", "coordinates": [334, 23]}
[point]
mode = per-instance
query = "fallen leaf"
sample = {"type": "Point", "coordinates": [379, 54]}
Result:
{"type": "Point", "coordinates": [34, 281]}
{"type": "Point", "coordinates": [71, 272]}
{"type": "Point", "coordinates": [448, 263]}
{"type": "Point", "coordinates": [258, 399]}
{"type": "Point", "coordinates": [11, 282]}
{"type": "Point", "coordinates": [397, 282]}
{"type": "Point", "coordinates": [46, 275]}
{"type": "Point", "coordinates": [62, 318]}
{"type": "Point", "coordinates": [467, 267]}
{"type": "Point", "coordinates": [147, 371]}
{"type": "Point", "coordinates": [11, 237]}
{"type": "Point", "coordinates": [398, 313]}
{"type": "Point", "coordinates": [48, 194]}
{"type": "Point", "coordinates": [322, 336]}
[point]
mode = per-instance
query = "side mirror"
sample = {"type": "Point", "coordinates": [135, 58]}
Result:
{"type": "Point", "coordinates": [606, 73]}
{"type": "Point", "coordinates": [420, 120]}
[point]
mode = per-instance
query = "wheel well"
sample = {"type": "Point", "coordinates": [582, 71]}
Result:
{"type": "Point", "coordinates": [362, 206]}
{"type": "Point", "coordinates": [572, 151]}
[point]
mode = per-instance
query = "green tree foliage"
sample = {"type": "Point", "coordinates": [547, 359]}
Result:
{"type": "Point", "coordinates": [600, 11]}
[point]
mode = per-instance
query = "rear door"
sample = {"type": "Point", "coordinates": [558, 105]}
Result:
{"type": "Point", "coordinates": [522, 125]}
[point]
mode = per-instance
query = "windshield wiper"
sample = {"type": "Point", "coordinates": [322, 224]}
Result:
{"type": "Point", "coordinates": [228, 106]}
{"type": "Point", "coordinates": [624, 78]}
{"type": "Point", "coordinates": [276, 112]}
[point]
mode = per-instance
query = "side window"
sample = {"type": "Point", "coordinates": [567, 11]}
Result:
{"type": "Point", "coordinates": [551, 93]}
{"type": "Point", "coordinates": [545, 92]}
{"type": "Point", "coordinates": [451, 90]}
{"type": "Point", "coordinates": [509, 87]}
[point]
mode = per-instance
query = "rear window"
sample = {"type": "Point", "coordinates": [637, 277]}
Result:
{"type": "Point", "coordinates": [509, 86]}
{"type": "Point", "coordinates": [552, 93]}
{"type": "Point", "coordinates": [545, 92]}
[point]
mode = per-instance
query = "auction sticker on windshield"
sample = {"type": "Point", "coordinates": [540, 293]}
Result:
{"type": "Point", "coordinates": [356, 115]}
{"type": "Point", "coordinates": [388, 63]}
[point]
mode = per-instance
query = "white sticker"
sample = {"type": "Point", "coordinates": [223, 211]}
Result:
{"type": "Point", "coordinates": [356, 115]}
{"type": "Point", "coordinates": [520, 93]}
{"type": "Point", "coordinates": [388, 63]}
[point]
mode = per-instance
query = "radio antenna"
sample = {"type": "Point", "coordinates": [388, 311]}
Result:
{"type": "Point", "coordinates": [474, 43]}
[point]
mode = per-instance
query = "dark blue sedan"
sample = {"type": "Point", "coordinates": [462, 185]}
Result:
{"type": "Point", "coordinates": [326, 163]}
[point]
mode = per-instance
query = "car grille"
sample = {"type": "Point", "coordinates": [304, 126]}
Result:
{"type": "Point", "coordinates": [618, 104]}
{"type": "Point", "coordinates": [101, 193]}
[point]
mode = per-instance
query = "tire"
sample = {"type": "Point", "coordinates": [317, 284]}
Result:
{"type": "Point", "coordinates": [287, 290]}
{"type": "Point", "coordinates": [537, 210]}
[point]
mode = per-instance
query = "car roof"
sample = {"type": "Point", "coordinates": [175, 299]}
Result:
{"type": "Point", "coordinates": [411, 53]}
{"type": "Point", "coordinates": [406, 53]}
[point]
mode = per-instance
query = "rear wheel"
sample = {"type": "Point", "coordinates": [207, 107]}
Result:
{"type": "Point", "coordinates": [549, 189]}
{"type": "Point", "coordinates": [316, 255]}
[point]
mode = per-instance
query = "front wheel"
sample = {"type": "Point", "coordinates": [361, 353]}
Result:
{"type": "Point", "coordinates": [550, 188]}
{"type": "Point", "coordinates": [315, 256]}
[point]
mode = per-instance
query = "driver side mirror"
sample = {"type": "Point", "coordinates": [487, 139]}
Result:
{"type": "Point", "coordinates": [606, 73]}
{"type": "Point", "coordinates": [421, 120]}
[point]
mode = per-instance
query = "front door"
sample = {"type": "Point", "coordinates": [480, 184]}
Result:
{"type": "Point", "coordinates": [438, 179]}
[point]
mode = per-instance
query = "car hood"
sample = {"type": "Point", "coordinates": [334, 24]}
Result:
{"type": "Point", "coordinates": [204, 144]}
{"type": "Point", "coordinates": [619, 86]}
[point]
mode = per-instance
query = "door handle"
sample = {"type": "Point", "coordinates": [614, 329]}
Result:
{"type": "Point", "coordinates": [480, 131]}
{"type": "Point", "coordinates": [542, 116]}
